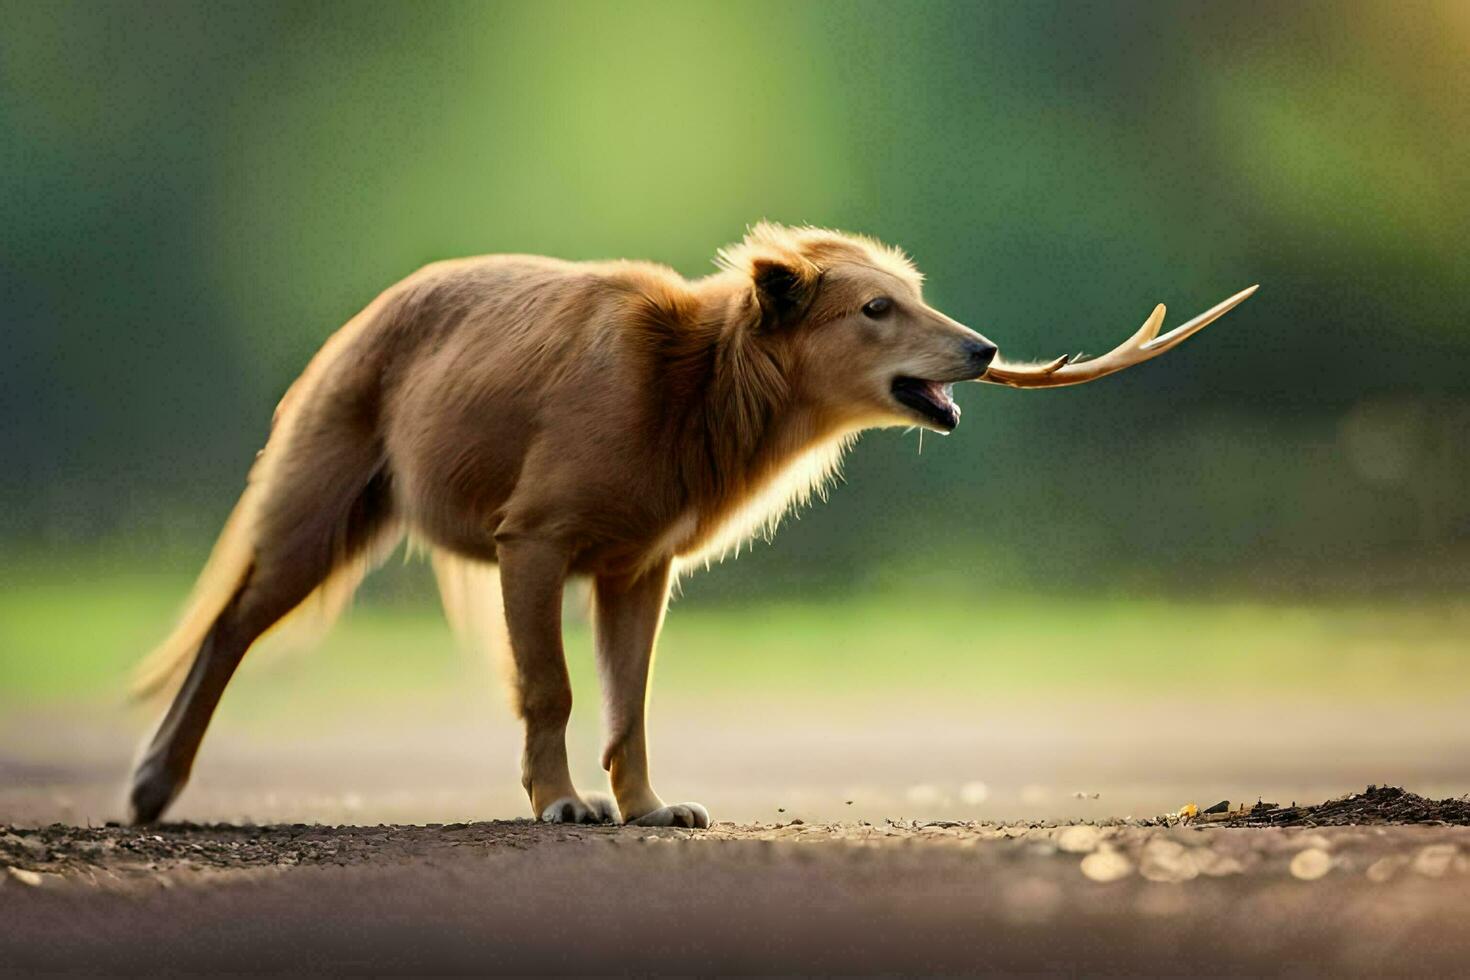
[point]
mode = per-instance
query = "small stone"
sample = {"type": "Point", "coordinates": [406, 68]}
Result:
{"type": "Point", "coordinates": [1433, 861]}
{"type": "Point", "coordinates": [1383, 869]}
{"type": "Point", "coordinates": [1167, 861]}
{"type": "Point", "coordinates": [1105, 865]}
{"type": "Point", "coordinates": [1214, 864]}
{"type": "Point", "coordinates": [1081, 839]}
{"type": "Point", "coordinates": [1311, 864]}
{"type": "Point", "coordinates": [25, 876]}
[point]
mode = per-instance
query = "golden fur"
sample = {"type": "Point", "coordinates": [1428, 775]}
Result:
{"type": "Point", "coordinates": [607, 419]}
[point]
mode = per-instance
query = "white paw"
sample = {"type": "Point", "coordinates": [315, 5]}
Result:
{"type": "Point", "coordinates": [596, 808]}
{"type": "Point", "coordinates": [675, 815]}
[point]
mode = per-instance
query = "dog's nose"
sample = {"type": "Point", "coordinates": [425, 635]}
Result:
{"type": "Point", "coordinates": [982, 352]}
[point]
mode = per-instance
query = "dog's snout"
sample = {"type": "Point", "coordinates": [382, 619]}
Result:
{"type": "Point", "coordinates": [981, 352]}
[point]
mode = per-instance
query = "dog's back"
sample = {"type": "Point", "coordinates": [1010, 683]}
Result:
{"type": "Point", "coordinates": [421, 413]}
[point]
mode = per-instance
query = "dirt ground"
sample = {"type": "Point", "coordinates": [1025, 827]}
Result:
{"type": "Point", "coordinates": [909, 897]}
{"type": "Point", "coordinates": [357, 847]}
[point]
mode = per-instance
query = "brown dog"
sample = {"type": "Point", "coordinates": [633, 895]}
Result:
{"type": "Point", "coordinates": [551, 418]}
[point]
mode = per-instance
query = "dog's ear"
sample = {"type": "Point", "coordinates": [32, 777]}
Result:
{"type": "Point", "coordinates": [784, 288]}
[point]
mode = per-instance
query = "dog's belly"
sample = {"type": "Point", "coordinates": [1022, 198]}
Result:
{"type": "Point", "coordinates": [616, 557]}
{"type": "Point", "coordinates": [457, 537]}
{"type": "Point", "coordinates": [608, 540]}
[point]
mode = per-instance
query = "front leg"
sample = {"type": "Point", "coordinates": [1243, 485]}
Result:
{"type": "Point", "coordinates": [630, 610]}
{"type": "Point", "coordinates": [532, 572]}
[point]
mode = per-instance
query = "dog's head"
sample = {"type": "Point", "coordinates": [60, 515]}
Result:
{"type": "Point", "coordinates": [845, 317]}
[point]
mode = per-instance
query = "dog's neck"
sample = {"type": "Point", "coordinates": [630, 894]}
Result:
{"type": "Point", "coordinates": [746, 422]}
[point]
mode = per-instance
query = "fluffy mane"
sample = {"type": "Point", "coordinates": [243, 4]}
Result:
{"type": "Point", "coordinates": [819, 248]}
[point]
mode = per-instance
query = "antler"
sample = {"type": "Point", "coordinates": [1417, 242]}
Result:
{"type": "Point", "coordinates": [1140, 347]}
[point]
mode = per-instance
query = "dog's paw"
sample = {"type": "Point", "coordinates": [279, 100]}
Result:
{"type": "Point", "coordinates": [153, 789]}
{"type": "Point", "coordinates": [595, 808]}
{"type": "Point", "coordinates": [675, 815]}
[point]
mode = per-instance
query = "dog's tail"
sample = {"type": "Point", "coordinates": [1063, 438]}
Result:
{"type": "Point", "coordinates": [470, 593]}
{"type": "Point", "coordinates": [475, 608]}
{"type": "Point", "coordinates": [223, 575]}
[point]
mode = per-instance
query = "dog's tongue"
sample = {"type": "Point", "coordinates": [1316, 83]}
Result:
{"type": "Point", "coordinates": [941, 395]}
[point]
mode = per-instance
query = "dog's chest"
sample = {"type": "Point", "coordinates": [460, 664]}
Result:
{"type": "Point", "coordinates": [721, 529]}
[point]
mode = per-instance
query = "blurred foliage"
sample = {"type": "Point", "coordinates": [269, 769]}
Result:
{"type": "Point", "coordinates": [848, 653]}
{"type": "Point", "coordinates": [194, 195]}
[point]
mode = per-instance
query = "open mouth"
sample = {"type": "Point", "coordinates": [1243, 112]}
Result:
{"type": "Point", "coordinates": [932, 400]}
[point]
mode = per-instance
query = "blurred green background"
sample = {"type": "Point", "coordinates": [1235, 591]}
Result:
{"type": "Point", "coordinates": [194, 195]}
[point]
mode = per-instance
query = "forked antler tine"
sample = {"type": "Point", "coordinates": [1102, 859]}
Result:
{"type": "Point", "coordinates": [1149, 330]}
{"type": "Point", "coordinates": [1187, 330]}
{"type": "Point", "coordinates": [1144, 345]}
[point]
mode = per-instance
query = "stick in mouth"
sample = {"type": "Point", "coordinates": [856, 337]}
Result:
{"type": "Point", "coordinates": [1144, 345]}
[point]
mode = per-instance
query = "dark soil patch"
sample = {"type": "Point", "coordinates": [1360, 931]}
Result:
{"type": "Point", "coordinates": [1375, 806]}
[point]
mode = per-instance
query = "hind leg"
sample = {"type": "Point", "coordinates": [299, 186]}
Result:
{"type": "Point", "coordinates": [166, 764]}
{"type": "Point", "coordinates": [327, 506]}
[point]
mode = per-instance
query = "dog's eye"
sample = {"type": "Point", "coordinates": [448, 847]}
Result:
{"type": "Point", "coordinates": [876, 309]}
